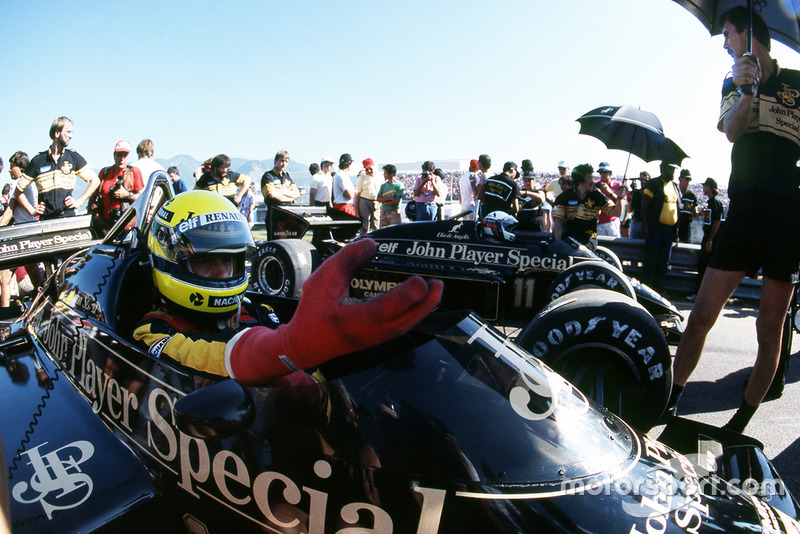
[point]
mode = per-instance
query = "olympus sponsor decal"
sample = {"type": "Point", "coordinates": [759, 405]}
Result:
{"type": "Point", "coordinates": [371, 288]}
{"type": "Point", "coordinates": [226, 474]}
{"type": "Point", "coordinates": [57, 482]}
{"type": "Point", "coordinates": [474, 255]}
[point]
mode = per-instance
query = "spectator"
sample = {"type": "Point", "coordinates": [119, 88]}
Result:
{"type": "Point", "coordinates": [247, 205]}
{"type": "Point", "coordinates": [120, 184]}
{"type": "Point", "coordinates": [501, 192]}
{"type": "Point", "coordinates": [659, 223]}
{"type": "Point", "coordinates": [367, 186]}
{"type": "Point", "coordinates": [688, 207]}
{"type": "Point", "coordinates": [389, 196]}
{"type": "Point", "coordinates": [54, 171]}
{"type": "Point", "coordinates": [712, 220]}
{"type": "Point", "coordinates": [231, 185]}
{"type": "Point", "coordinates": [441, 195]}
{"type": "Point", "coordinates": [556, 187]}
{"type": "Point", "coordinates": [177, 184]}
{"type": "Point", "coordinates": [577, 209]}
{"type": "Point", "coordinates": [426, 188]}
{"type": "Point", "coordinates": [321, 183]}
{"type": "Point", "coordinates": [343, 190]}
{"type": "Point", "coordinates": [635, 205]}
{"type": "Point", "coordinates": [608, 225]}
{"type": "Point", "coordinates": [468, 190]}
{"type": "Point", "coordinates": [6, 196]}
{"type": "Point", "coordinates": [146, 164]}
{"type": "Point", "coordinates": [15, 214]}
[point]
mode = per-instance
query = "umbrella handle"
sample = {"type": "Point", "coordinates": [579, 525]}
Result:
{"type": "Point", "coordinates": [749, 89]}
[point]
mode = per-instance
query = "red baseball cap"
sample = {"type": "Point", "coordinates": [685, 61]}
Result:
{"type": "Point", "coordinates": [367, 163]}
{"type": "Point", "coordinates": [123, 146]}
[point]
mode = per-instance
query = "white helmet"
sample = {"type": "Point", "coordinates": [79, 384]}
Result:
{"type": "Point", "coordinates": [499, 225]}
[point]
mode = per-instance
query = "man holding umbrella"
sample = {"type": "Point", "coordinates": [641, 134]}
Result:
{"type": "Point", "coordinates": [759, 115]}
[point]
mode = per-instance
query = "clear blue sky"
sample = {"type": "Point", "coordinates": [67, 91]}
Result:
{"type": "Point", "coordinates": [395, 81]}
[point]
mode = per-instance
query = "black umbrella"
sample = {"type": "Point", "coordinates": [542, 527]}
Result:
{"type": "Point", "coordinates": [780, 16]}
{"type": "Point", "coordinates": [632, 130]}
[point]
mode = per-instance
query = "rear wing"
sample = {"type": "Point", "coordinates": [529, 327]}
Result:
{"type": "Point", "coordinates": [32, 242]}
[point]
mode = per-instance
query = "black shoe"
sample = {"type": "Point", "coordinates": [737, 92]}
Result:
{"type": "Point", "coordinates": [774, 392]}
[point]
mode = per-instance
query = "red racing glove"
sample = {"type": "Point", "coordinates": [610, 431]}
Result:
{"type": "Point", "coordinates": [329, 323]}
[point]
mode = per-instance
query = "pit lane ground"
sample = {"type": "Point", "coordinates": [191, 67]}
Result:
{"type": "Point", "coordinates": [715, 390]}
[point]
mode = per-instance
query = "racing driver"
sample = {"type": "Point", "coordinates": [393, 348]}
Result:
{"type": "Point", "coordinates": [198, 243]}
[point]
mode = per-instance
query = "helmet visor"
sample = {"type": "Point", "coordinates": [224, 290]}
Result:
{"type": "Point", "coordinates": [219, 232]}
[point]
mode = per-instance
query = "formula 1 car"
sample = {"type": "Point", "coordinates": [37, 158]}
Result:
{"type": "Point", "coordinates": [449, 428]}
{"type": "Point", "coordinates": [612, 344]}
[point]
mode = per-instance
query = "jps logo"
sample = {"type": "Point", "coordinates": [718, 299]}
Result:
{"type": "Point", "coordinates": [57, 482]}
{"type": "Point", "coordinates": [788, 95]}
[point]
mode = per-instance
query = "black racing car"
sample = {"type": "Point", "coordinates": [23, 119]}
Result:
{"type": "Point", "coordinates": [449, 428]}
{"type": "Point", "coordinates": [608, 333]}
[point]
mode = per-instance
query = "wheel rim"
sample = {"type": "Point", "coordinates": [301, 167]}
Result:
{"type": "Point", "coordinates": [606, 375]}
{"type": "Point", "coordinates": [271, 276]}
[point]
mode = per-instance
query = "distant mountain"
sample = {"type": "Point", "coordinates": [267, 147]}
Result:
{"type": "Point", "coordinates": [253, 168]}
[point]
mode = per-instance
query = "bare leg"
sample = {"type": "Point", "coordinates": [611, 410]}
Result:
{"type": "Point", "coordinates": [775, 299]}
{"type": "Point", "coordinates": [716, 288]}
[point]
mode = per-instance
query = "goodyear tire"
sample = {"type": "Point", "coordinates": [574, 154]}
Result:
{"type": "Point", "coordinates": [608, 256]}
{"type": "Point", "coordinates": [280, 267]}
{"type": "Point", "coordinates": [591, 274]}
{"type": "Point", "coordinates": [610, 348]}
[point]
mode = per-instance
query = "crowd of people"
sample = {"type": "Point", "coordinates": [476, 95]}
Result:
{"type": "Point", "coordinates": [575, 204]}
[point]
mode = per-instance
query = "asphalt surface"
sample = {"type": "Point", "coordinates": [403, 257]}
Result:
{"type": "Point", "coordinates": [715, 390]}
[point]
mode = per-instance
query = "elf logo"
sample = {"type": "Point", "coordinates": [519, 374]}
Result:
{"type": "Point", "coordinates": [197, 299]}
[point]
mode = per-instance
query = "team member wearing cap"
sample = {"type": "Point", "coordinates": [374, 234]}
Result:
{"type": "Point", "coordinates": [54, 171]}
{"type": "Point", "coordinates": [322, 184]}
{"type": "Point", "coordinates": [367, 186]}
{"type": "Point", "coordinates": [762, 229]}
{"type": "Point", "coordinates": [120, 184]}
{"type": "Point", "coordinates": [198, 242]}
{"type": "Point", "coordinates": [687, 211]}
{"type": "Point", "coordinates": [712, 220]}
{"type": "Point", "coordinates": [608, 224]}
{"type": "Point", "coordinates": [343, 190]}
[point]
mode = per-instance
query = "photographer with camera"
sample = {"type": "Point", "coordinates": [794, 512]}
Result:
{"type": "Point", "coordinates": [427, 187]}
{"type": "Point", "coordinates": [120, 184]}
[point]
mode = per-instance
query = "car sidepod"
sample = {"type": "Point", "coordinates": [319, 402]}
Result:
{"type": "Point", "coordinates": [66, 471]}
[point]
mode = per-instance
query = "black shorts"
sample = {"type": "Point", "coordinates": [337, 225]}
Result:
{"type": "Point", "coordinates": [760, 233]}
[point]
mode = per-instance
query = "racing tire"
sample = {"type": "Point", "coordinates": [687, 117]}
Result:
{"type": "Point", "coordinates": [608, 256]}
{"type": "Point", "coordinates": [591, 274]}
{"type": "Point", "coordinates": [280, 267]}
{"type": "Point", "coordinates": [610, 348]}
